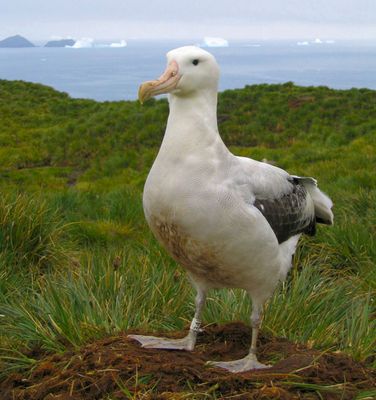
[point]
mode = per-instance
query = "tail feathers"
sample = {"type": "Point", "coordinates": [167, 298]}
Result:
{"type": "Point", "coordinates": [322, 203]}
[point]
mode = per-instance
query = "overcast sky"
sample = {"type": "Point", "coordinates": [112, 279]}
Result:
{"type": "Point", "coordinates": [236, 19]}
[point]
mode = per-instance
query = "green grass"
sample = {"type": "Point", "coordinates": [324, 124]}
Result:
{"type": "Point", "coordinates": [30, 233]}
{"type": "Point", "coordinates": [77, 261]}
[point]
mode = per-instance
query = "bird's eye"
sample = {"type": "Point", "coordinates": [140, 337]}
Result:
{"type": "Point", "coordinates": [195, 62]}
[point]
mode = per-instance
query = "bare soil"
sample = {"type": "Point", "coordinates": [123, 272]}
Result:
{"type": "Point", "coordinates": [118, 368]}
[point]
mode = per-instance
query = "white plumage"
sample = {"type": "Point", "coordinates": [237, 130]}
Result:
{"type": "Point", "coordinates": [229, 221]}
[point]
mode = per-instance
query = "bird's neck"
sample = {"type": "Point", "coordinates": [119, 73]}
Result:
{"type": "Point", "coordinates": [192, 124]}
{"type": "Point", "coordinates": [199, 108]}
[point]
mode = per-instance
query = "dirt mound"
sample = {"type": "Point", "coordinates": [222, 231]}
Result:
{"type": "Point", "coordinates": [118, 368]}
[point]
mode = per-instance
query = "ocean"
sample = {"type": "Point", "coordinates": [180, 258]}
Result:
{"type": "Point", "coordinates": [107, 74]}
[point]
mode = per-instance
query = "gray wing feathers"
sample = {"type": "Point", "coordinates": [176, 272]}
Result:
{"type": "Point", "coordinates": [289, 214]}
{"type": "Point", "coordinates": [291, 204]}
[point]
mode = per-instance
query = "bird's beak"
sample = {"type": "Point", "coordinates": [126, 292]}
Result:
{"type": "Point", "coordinates": [164, 84]}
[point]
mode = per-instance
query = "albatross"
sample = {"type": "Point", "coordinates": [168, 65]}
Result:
{"type": "Point", "coordinates": [231, 222]}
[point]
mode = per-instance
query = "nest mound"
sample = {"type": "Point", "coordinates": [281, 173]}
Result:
{"type": "Point", "coordinates": [118, 368]}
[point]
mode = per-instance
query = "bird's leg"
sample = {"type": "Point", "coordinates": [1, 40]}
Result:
{"type": "Point", "coordinates": [250, 360]}
{"type": "Point", "coordinates": [186, 343]}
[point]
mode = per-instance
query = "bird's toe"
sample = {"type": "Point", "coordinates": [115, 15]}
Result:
{"type": "Point", "coordinates": [153, 342]}
{"type": "Point", "coordinates": [244, 364]}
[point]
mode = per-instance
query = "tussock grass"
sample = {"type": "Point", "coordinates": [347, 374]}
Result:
{"type": "Point", "coordinates": [325, 311]}
{"type": "Point", "coordinates": [104, 294]}
{"type": "Point", "coordinates": [31, 234]}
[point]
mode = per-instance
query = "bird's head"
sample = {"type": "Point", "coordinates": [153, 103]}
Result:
{"type": "Point", "coordinates": [190, 70]}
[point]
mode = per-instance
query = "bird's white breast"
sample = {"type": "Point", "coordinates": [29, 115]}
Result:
{"type": "Point", "coordinates": [201, 219]}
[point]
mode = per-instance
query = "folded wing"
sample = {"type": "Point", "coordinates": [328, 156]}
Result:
{"type": "Point", "coordinates": [291, 204]}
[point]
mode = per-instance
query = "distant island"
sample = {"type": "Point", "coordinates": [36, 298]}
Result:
{"type": "Point", "coordinates": [15, 42]}
{"type": "Point", "coordinates": [60, 43]}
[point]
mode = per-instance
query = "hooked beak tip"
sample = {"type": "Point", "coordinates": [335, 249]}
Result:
{"type": "Point", "coordinates": [145, 91]}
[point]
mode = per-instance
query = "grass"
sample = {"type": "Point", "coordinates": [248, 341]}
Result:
{"type": "Point", "coordinates": [30, 233]}
{"type": "Point", "coordinates": [77, 261]}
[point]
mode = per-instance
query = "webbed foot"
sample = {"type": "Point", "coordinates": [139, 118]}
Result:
{"type": "Point", "coordinates": [244, 364]}
{"type": "Point", "coordinates": [152, 342]}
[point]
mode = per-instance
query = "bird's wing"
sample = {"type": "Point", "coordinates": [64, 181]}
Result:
{"type": "Point", "coordinates": [281, 198]}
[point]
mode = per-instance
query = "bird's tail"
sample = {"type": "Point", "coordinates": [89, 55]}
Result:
{"type": "Point", "coordinates": [323, 204]}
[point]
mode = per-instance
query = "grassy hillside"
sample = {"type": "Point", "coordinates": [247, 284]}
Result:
{"type": "Point", "coordinates": [77, 261]}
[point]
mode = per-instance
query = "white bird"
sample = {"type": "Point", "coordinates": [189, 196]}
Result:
{"type": "Point", "coordinates": [231, 222]}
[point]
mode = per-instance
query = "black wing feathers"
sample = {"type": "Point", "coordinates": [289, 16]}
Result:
{"type": "Point", "coordinates": [287, 214]}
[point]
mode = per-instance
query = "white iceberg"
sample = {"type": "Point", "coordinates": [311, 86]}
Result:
{"type": "Point", "coordinates": [122, 43]}
{"type": "Point", "coordinates": [83, 43]}
{"type": "Point", "coordinates": [317, 41]}
{"type": "Point", "coordinates": [89, 43]}
{"type": "Point", "coordinates": [329, 41]}
{"type": "Point", "coordinates": [215, 42]}
{"type": "Point", "coordinates": [304, 43]}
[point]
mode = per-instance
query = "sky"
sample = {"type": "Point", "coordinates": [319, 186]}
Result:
{"type": "Point", "coordinates": [183, 19]}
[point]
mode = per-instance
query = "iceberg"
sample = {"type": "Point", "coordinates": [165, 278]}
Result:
{"type": "Point", "coordinates": [305, 43]}
{"type": "Point", "coordinates": [317, 41]}
{"type": "Point", "coordinates": [88, 43]}
{"type": "Point", "coordinates": [122, 43]}
{"type": "Point", "coordinates": [215, 42]}
{"type": "Point", "coordinates": [83, 43]}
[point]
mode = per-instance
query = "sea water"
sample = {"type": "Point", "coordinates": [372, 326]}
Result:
{"type": "Point", "coordinates": [115, 73]}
